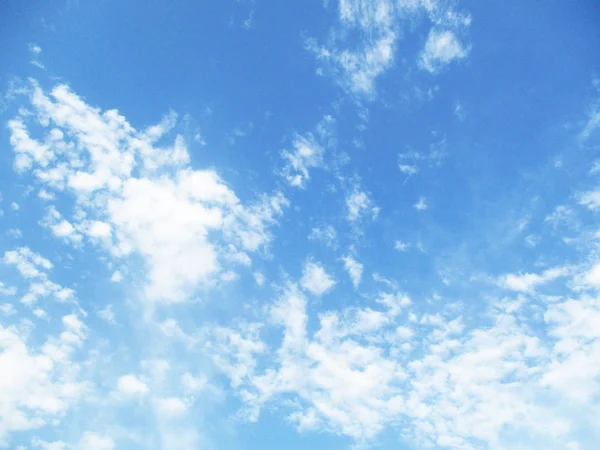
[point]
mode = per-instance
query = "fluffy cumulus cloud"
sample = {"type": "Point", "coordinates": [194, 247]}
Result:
{"type": "Point", "coordinates": [135, 198]}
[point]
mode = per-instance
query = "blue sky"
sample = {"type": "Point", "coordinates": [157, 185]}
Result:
{"type": "Point", "coordinates": [331, 224]}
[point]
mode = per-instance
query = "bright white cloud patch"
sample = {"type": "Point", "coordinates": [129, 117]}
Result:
{"type": "Point", "coordinates": [527, 282]}
{"type": "Point", "coordinates": [354, 268]}
{"type": "Point", "coordinates": [591, 199]}
{"type": "Point", "coordinates": [39, 384]}
{"type": "Point", "coordinates": [137, 198]}
{"type": "Point", "coordinates": [441, 48]}
{"type": "Point", "coordinates": [315, 279]}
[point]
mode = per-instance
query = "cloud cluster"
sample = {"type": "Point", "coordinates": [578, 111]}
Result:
{"type": "Point", "coordinates": [133, 197]}
{"type": "Point", "coordinates": [364, 42]}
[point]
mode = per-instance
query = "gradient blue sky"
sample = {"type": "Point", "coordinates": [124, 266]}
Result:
{"type": "Point", "coordinates": [329, 224]}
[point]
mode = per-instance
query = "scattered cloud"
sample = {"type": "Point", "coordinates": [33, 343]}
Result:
{"type": "Point", "coordinates": [325, 235]}
{"type": "Point", "coordinates": [401, 246]}
{"type": "Point", "coordinates": [307, 154]}
{"type": "Point", "coordinates": [376, 27]}
{"type": "Point", "coordinates": [354, 269]}
{"type": "Point", "coordinates": [315, 279]}
{"type": "Point", "coordinates": [130, 385]}
{"type": "Point", "coordinates": [442, 47]}
{"type": "Point", "coordinates": [166, 212]}
{"type": "Point", "coordinates": [421, 205]}
{"type": "Point", "coordinates": [527, 282]}
{"type": "Point", "coordinates": [359, 205]}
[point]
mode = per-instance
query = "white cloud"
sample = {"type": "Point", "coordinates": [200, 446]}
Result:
{"type": "Point", "coordinates": [307, 154]}
{"type": "Point", "coordinates": [442, 47]}
{"type": "Point", "coordinates": [7, 309]}
{"type": "Point", "coordinates": [98, 229]}
{"type": "Point", "coordinates": [421, 205]}
{"type": "Point", "coordinates": [592, 124]}
{"type": "Point", "coordinates": [34, 268]}
{"type": "Point", "coordinates": [259, 278]}
{"type": "Point", "coordinates": [401, 246]}
{"type": "Point", "coordinates": [45, 195]}
{"type": "Point", "coordinates": [192, 384]}
{"type": "Point", "coordinates": [315, 279]}
{"type": "Point", "coordinates": [7, 290]}
{"type": "Point", "coordinates": [363, 44]}
{"type": "Point", "coordinates": [359, 67]}
{"type": "Point", "coordinates": [56, 445]}
{"type": "Point", "coordinates": [116, 277]}
{"type": "Point", "coordinates": [94, 441]}
{"type": "Point", "coordinates": [359, 205]}
{"type": "Point", "coordinates": [35, 49]}
{"type": "Point", "coordinates": [107, 314]}
{"type": "Point", "coordinates": [326, 235]}
{"type": "Point", "coordinates": [130, 385]}
{"type": "Point", "coordinates": [39, 383]}
{"type": "Point", "coordinates": [527, 282]}
{"type": "Point", "coordinates": [591, 200]}
{"type": "Point", "coordinates": [135, 198]}
{"type": "Point", "coordinates": [170, 408]}
{"type": "Point", "coordinates": [408, 169]}
{"type": "Point", "coordinates": [342, 386]}
{"type": "Point", "coordinates": [354, 268]}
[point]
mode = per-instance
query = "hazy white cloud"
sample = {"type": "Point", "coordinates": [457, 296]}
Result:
{"type": "Point", "coordinates": [421, 205]}
{"type": "Point", "coordinates": [35, 49]}
{"type": "Point", "coordinates": [7, 309]}
{"type": "Point", "coordinates": [592, 124]}
{"type": "Point", "coordinates": [95, 441]}
{"type": "Point", "coordinates": [130, 385]}
{"type": "Point", "coordinates": [401, 246]}
{"type": "Point", "coordinates": [591, 199]}
{"type": "Point", "coordinates": [44, 445]}
{"type": "Point", "coordinates": [107, 314]}
{"type": "Point", "coordinates": [326, 235]}
{"type": "Point", "coordinates": [408, 169]}
{"type": "Point", "coordinates": [170, 408]}
{"type": "Point", "coordinates": [116, 277]}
